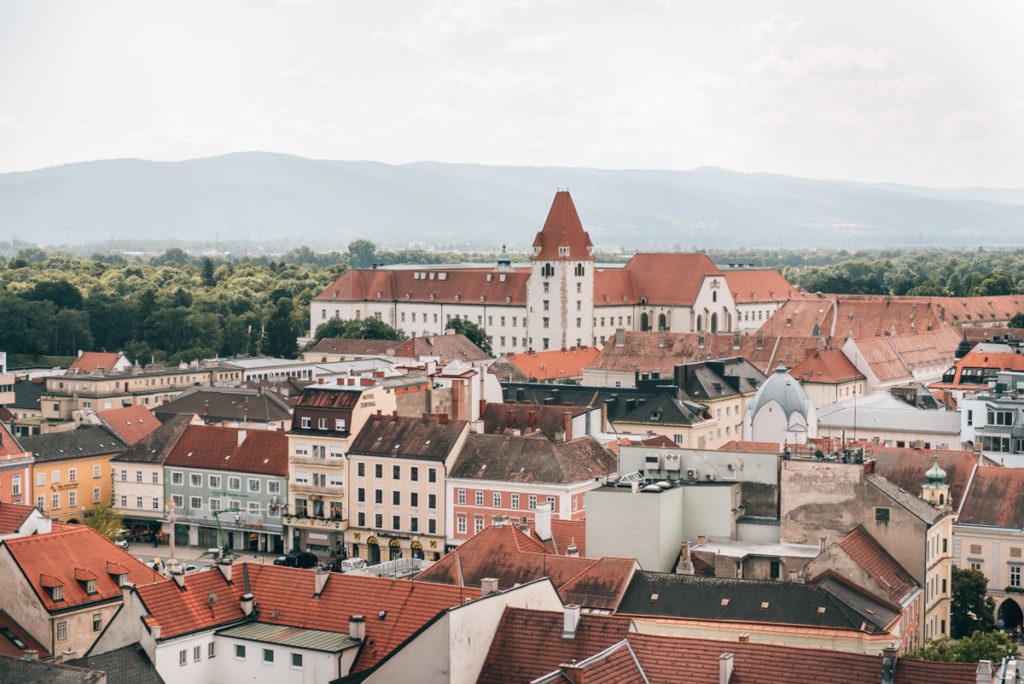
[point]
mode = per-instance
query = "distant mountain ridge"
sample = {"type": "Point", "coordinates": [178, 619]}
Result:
{"type": "Point", "coordinates": [326, 204]}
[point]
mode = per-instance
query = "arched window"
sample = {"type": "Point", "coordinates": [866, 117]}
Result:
{"type": "Point", "coordinates": [579, 270]}
{"type": "Point", "coordinates": [714, 295]}
{"type": "Point", "coordinates": [547, 270]}
{"type": "Point", "coordinates": [662, 322]}
{"type": "Point", "coordinates": [645, 321]}
{"type": "Point", "coordinates": [714, 323]}
{"type": "Point", "coordinates": [699, 324]}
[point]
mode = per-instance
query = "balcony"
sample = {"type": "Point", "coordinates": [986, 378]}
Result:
{"type": "Point", "coordinates": [322, 461]}
{"type": "Point", "coordinates": [308, 523]}
{"type": "Point", "coordinates": [334, 491]}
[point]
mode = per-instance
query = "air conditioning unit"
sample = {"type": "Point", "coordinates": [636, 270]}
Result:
{"type": "Point", "coordinates": [672, 462]}
{"type": "Point", "coordinates": [652, 462]}
{"type": "Point", "coordinates": [709, 477]}
{"type": "Point", "coordinates": [691, 474]}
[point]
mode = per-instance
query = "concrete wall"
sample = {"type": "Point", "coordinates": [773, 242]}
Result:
{"type": "Point", "coordinates": [710, 510]}
{"type": "Point", "coordinates": [746, 467]}
{"type": "Point", "coordinates": [646, 526]}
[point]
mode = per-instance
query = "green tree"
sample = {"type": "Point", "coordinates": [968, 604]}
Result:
{"type": "Point", "coordinates": [476, 334]}
{"type": "Point", "coordinates": [208, 278]}
{"type": "Point", "coordinates": [973, 609]}
{"type": "Point", "coordinates": [71, 332]}
{"type": "Point", "coordinates": [361, 253]}
{"type": "Point", "coordinates": [991, 646]}
{"type": "Point", "coordinates": [106, 521]}
{"type": "Point", "coordinates": [1017, 321]}
{"type": "Point", "coordinates": [63, 294]}
{"type": "Point", "coordinates": [376, 329]}
{"type": "Point", "coordinates": [337, 327]}
{"type": "Point", "coordinates": [279, 336]}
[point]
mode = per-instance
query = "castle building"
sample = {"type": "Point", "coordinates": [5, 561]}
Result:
{"type": "Point", "coordinates": [563, 298]}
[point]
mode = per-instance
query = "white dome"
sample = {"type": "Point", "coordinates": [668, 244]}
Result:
{"type": "Point", "coordinates": [783, 389]}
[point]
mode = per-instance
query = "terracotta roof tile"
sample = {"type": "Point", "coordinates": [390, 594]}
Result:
{"type": "Point", "coordinates": [419, 438]}
{"type": "Point", "coordinates": [131, 423]}
{"type": "Point", "coordinates": [866, 552]}
{"type": "Point", "coordinates": [759, 285]}
{"type": "Point", "coordinates": [554, 364]}
{"type": "Point", "coordinates": [60, 554]}
{"type": "Point", "coordinates": [996, 498]}
{"type": "Point", "coordinates": [218, 448]}
{"type": "Point", "coordinates": [214, 405]}
{"type": "Point", "coordinates": [90, 361]}
{"type": "Point", "coordinates": [439, 285]}
{"type": "Point", "coordinates": [562, 228]}
{"type": "Point", "coordinates": [567, 532]}
{"type": "Point", "coordinates": [9, 444]}
{"type": "Point", "coordinates": [179, 611]}
{"type": "Point", "coordinates": [829, 366]}
{"type": "Point", "coordinates": [549, 420]}
{"type": "Point", "coordinates": [345, 346]}
{"type": "Point", "coordinates": [532, 458]}
{"type": "Point", "coordinates": [670, 279]}
{"type": "Point", "coordinates": [12, 516]}
{"type": "Point", "coordinates": [905, 467]}
{"type": "Point", "coordinates": [448, 347]}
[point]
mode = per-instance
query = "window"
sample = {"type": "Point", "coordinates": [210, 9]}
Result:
{"type": "Point", "coordinates": [553, 504]}
{"type": "Point", "coordinates": [414, 473]}
{"type": "Point", "coordinates": [461, 524]}
{"type": "Point", "coordinates": [882, 516]}
{"type": "Point", "coordinates": [138, 502]}
{"type": "Point", "coordinates": [1014, 575]}
{"type": "Point", "coordinates": [254, 486]}
{"type": "Point", "coordinates": [55, 477]}
{"type": "Point", "coordinates": [431, 500]}
{"type": "Point", "coordinates": [211, 650]}
{"type": "Point", "coordinates": [195, 503]}
{"type": "Point", "coordinates": [214, 505]}
{"type": "Point", "coordinates": [156, 477]}
{"type": "Point", "coordinates": [40, 502]}
{"type": "Point", "coordinates": [478, 524]}
{"type": "Point", "coordinates": [301, 449]}
{"type": "Point", "coordinates": [297, 660]}
{"type": "Point", "coordinates": [179, 500]}
{"type": "Point", "coordinates": [268, 656]}
{"type": "Point", "coordinates": [306, 422]}
{"type": "Point", "coordinates": [40, 479]}
{"type": "Point", "coordinates": [339, 424]}
{"type": "Point", "coordinates": [337, 480]}
{"type": "Point", "coordinates": [197, 653]}
{"type": "Point", "coordinates": [360, 469]}
{"type": "Point", "coordinates": [183, 657]}
{"type": "Point", "coordinates": [95, 471]}
{"type": "Point", "coordinates": [479, 498]}
{"type": "Point", "coordinates": [156, 503]}
{"type": "Point", "coordinates": [240, 651]}
{"type": "Point", "coordinates": [976, 565]}
{"type": "Point", "coordinates": [273, 487]}
{"type": "Point", "coordinates": [396, 472]}
{"type": "Point", "coordinates": [378, 520]}
{"type": "Point", "coordinates": [72, 498]}
{"type": "Point", "coordinates": [138, 476]}
{"type": "Point", "coordinates": [97, 622]}
{"type": "Point", "coordinates": [361, 494]}
{"type": "Point", "coordinates": [361, 519]}
{"type": "Point", "coordinates": [432, 475]}
{"type": "Point", "coordinates": [195, 480]}
{"type": "Point", "coordinates": [496, 499]}
{"type": "Point", "coordinates": [215, 481]}
{"type": "Point", "coordinates": [55, 501]}
{"type": "Point", "coordinates": [378, 496]}
{"type": "Point", "coordinates": [414, 524]}
{"type": "Point", "coordinates": [414, 499]}
{"type": "Point", "coordinates": [462, 496]}
{"type": "Point", "coordinates": [234, 505]}
{"type": "Point", "coordinates": [396, 522]}
{"type": "Point", "coordinates": [177, 478]}
{"type": "Point", "coordinates": [396, 498]}
{"type": "Point", "coordinates": [234, 483]}
{"type": "Point", "coordinates": [16, 485]}
{"type": "Point", "coordinates": [378, 470]}
{"type": "Point", "coordinates": [515, 501]}
{"type": "Point", "coordinates": [254, 507]}
{"type": "Point", "coordinates": [532, 501]}
{"type": "Point", "coordinates": [72, 474]}
{"type": "Point", "coordinates": [124, 501]}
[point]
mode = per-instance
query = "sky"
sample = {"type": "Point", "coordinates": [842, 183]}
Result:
{"type": "Point", "coordinates": [919, 92]}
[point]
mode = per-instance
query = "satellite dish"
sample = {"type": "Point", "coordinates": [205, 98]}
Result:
{"type": "Point", "coordinates": [212, 598]}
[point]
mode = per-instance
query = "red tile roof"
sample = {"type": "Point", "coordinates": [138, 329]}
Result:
{"type": "Point", "coordinates": [562, 229]}
{"type": "Point", "coordinates": [504, 418]}
{"type": "Point", "coordinates": [1007, 361]}
{"type": "Point", "coordinates": [759, 285]}
{"type": "Point", "coordinates": [478, 285]}
{"type": "Point", "coordinates": [555, 364]}
{"type": "Point", "coordinates": [90, 361]}
{"type": "Point", "coordinates": [866, 552]}
{"type": "Point", "coordinates": [74, 548]}
{"type": "Point", "coordinates": [616, 664]}
{"type": "Point", "coordinates": [448, 347]}
{"type": "Point", "coordinates": [218, 448]}
{"type": "Point", "coordinates": [669, 279]}
{"type": "Point", "coordinates": [432, 438]}
{"type": "Point", "coordinates": [9, 445]}
{"type": "Point", "coordinates": [970, 311]}
{"type": "Point", "coordinates": [828, 366]}
{"type": "Point", "coordinates": [131, 423]}
{"type": "Point", "coordinates": [996, 498]}
{"type": "Point", "coordinates": [565, 533]}
{"type": "Point", "coordinates": [511, 557]}
{"type": "Point", "coordinates": [528, 644]}
{"type": "Point", "coordinates": [12, 516]}
{"type": "Point", "coordinates": [180, 611]}
{"type": "Point", "coordinates": [344, 346]}
{"type": "Point", "coordinates": [531, 458]}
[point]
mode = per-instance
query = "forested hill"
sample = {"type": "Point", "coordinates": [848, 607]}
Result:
{"type": "Point", "coordinates": [264, 197]}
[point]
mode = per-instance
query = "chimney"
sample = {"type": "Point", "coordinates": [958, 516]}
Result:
{"type": "Point", "coordinates": [822, 544]}
{"type": "Point", "coordinates": [443, 419]}
{"type": "Point", "coordinates": [321, 580]}
{"type": "Point", "coordinates": [685, 566]}
{"type": "Point", "coordinates": [570, 620]}
{"type": "Point", "coordinates": [743, 638]}
{"type": "Point", "coordinates": [725, 668]}
{"type": "Point", "coordinates": [572, 550]}
{"type": "Point", "coordinates": [524, 527]}
{"type": "Point", "coordinates": [983, 675]}
{"type": "Point", "coordinates": [701, 539]}
{"type": "Point", "coordinates": [224, 565]}
{"type": "Point", "coordinates": [30, 654]}
{"type": "Point", "coordinates": [241, 437]}
{"type": "Point", "coordinates": [126, 591]}
{"type": "Point", "coordinates": [483, 406]}
{"type": "Point", "coordinates": [357, 627]}
{"type": "Point", "coordinates": [65, 656]}
{"type": "Point", "coordinates": [542, 521]}
{"type": "Point", "coordinates": [567, 425]}
{"type": "Point", "coordinates": [511, 416]}
{"type": "Point", "coordinates": [155, 630]}
{"type": "Point", "coordinates": [248, 602]}
{"type": "Point", "coordinates": [488, 585]}
{"type": "Point", "coordinates": [500, 520]}
{"type": "Point", "coordinates": [889, 664]}
{"type": "Point", "coordinates": [532, 418]}
{"type": "Point", "coordinates": [179, 576]}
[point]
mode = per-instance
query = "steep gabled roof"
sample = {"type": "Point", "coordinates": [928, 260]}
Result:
{"type": "Point", "coordinates": [437, 285]}
{"type": "Point", "coordinates": [670, 279]}
{"type": "Point", "coordinates": [9, 444]}
{"type": "Point", "coordinates": [225, 448]}
{"type": "Point", "coordinates": [58, 558]}
{"type": "Point", "coordinates": [13, 516]}
{"type": "Point", "coordinates": [504, 418]}
{"type": "Point", "coordinates": [995, 498]}
{"type": "Point", "coordinates": [751, 286]}
{"type": "Point", "coordinates": [448, 347]}
{"type": "Point", "coordinates": [83, 441]}
{"type": "Point", "coordinates": [131, 423]}
{"type": "Point", "coordinates": [867, 553]}
{"type": "Point", "coordinates": [905, 467]}
{"type": "Point", "coordinates": [427, 439]}
{"type": "Point", "coordinates": [217, 404]}
{"type": "Point", "coordinates": [88, 362]}
{"type": "Point", "coordinates": [828, 366]}
{"type": "Point", "coordinates": [562, 228]}
{"type": "Point", "coordinates": [532, 458]}
{"type": "Point", "coordinates": [154, 447]}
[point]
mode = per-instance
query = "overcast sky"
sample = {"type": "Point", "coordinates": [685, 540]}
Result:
{"type": "Point", "coordinates": [925, 92]}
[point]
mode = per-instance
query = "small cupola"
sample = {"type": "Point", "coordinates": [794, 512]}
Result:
{"type": "Point", "coordinates": [935, 490]}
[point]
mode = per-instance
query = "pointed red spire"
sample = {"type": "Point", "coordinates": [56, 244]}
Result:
{"type": "Point", "coordinates": [563, 236]}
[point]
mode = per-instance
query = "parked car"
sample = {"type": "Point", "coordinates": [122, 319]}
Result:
{"type": "Point", "coordinates": [189, 569]}
{"type": "Point", "coordinates": [123, 543]}
{"type": "Point", "coordinates": [303, 559]}
{"type": "Point", "coordinates": [350, 564]}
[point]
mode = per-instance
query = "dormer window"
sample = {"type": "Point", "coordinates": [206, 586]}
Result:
{"type": "Point", "coordinates": [563, 251]}
{"type": "Point", "coordinates": [90, 586]}
{"type": "Point", "coordinates": [57, 593]}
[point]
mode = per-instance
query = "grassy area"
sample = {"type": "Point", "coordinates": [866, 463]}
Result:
{"type": "Point", "coordinates": [16, 361]}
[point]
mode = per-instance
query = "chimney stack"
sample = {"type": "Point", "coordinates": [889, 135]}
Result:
{"type": "Point", "coordinates": [224, 565]}
{"type": "Point", "coordinates": [542, 521]}
{"type": "Point", "coordinates": [241, 437]}
{"type": "Point", "coordinates": [524, 527]}
{"type": "Point", "coordinates": [443, 419]}
{"type": "Point", "coordinates": [488, 585]}
{"type": "Point", "coordinates": [357, 627]}
{"type": "Point", "coordinates": [30, 654]}
{"type": "Point", "coordinates": [983, 675]}
{"type": "Point", "coordinates": [321, 580]}
{"type": "Point", "coordinates": [570, 620]}
{"type": "Point", "coordinates": [533, 417]}
{"type": "Point", "coordinates": [178, 575]}
{"type": "Point", "coordinates": [155, 630]}
{"type": "Point", "coordinates": [685, 566]}
{"type": "Point", "coordinates": [572, 550]}
{"type": "Point", "coordinates": [889, 664]}
{"type": "Point", "coordinates": [248, 602]}
{"type": "Point", "coordinates": [725, 668]}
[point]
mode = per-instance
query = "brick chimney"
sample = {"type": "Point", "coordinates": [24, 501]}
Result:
{"type": "Point", "coordinates": [532, 418]}
{"type": "Point", "coordinates": [357, 627]}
